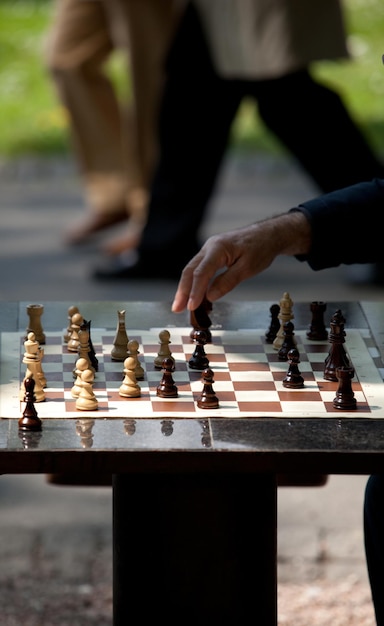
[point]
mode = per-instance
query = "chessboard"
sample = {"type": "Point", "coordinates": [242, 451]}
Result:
{"type": "Point", "coordinates": [246, 370]}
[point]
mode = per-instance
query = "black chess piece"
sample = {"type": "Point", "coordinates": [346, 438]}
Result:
{"type": "Point", "coordinates": [30, 420]}
{"type": "Point", "coordinates": [288, 341]}
{"type": "Point", "coordinates": [274, 325]}
{"type": "Point", "coordinates": [92, 353]}
{"type": "Point", "coordinates": [345, 397]}
{"type": "Point", "coordinates": [293, 378]}
{"type": "Point", "coordinates": [208, 398]}
{"type": "Point", "coordinates": [167, 387]}
{"type": "Point", "coordinates": [200, 320]}
{"type": "Point", "coordinates": [199, 360]}
{"type": "Point", "coordinates": [317, 330]}
{"type": "Point", "coordinates": [337, 356]}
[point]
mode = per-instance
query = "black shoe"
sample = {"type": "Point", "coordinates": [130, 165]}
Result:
{"type": "Point", "coordinates": [119, 269]}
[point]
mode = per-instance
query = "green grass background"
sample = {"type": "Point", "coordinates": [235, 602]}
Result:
{"type": "Point", "coordinates": [32, 120]}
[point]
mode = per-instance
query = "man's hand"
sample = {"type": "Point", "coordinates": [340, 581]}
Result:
{"type": "Point", "coordinates": [227, 259]}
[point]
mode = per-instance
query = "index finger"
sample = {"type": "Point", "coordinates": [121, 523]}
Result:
{"type": "Point", "coordinates": [192, 286]}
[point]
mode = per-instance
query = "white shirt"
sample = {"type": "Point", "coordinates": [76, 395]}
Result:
{"type": "Point", "coordinates": [254, 39]}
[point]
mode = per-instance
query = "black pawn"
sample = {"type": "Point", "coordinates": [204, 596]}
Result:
{"type": "Point", "coordinates": [345, 398]}
{"type": "Point", "coordinates": [199, 360]}
{"type": "Point", "coordinates": [288, 341]}
{"type": "Point", "coordinates": [317, 330]}
{"type": "Point", "coordinates": [337, 356]}
{"type": "Point", "coordinates": [167, 387]}
{"type": "Point", "coordinates": [30, 419]}
{"type": "Point", "coordinates": [208, 398]}
{"type": "Point", "coordinates": [293, 378]}
{"type": "Point", "coordinates": [274, 326]}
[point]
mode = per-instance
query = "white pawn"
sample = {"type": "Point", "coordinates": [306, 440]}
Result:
{"type": "Point", "coordinates": [164, 350]}
{"type": "Point", "coordinates": [129, 387]}
{"type": "Point", "coordinates": [74, 340]}
{"type": "Point", "coordinates": [133, 351]}
{"type": "Point", "coordinates": [71, 311]}
{"type": "Point", "coordinates": [80, 367]}
{"type": "Point", "coordinates": [87, 400]}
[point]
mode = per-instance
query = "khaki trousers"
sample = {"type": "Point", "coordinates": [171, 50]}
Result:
{"type": "Point", "coordinates": [115, 140]}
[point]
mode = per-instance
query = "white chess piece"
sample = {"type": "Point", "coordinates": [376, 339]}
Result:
{"type": "Point", "coordinates": [130, 387]}
{"type": "Point", "coordinates": [80, 367]}
{"type": "Point", "coordinates": [87, 400]}
{"type": "Point", "coordinates": [32, 359]}
{"type": "Point", "coordinates": [133, 351]}
{"type": "Point", "coordinates": [164, 350]}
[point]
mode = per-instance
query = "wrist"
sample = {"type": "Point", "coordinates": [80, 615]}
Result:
{"type": "Point", "coordinates": [292, 233]}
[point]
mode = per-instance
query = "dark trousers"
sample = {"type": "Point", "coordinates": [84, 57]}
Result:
{"type": "Point", "coordinates": [374, 541]}
{"type": "Point", "coordinates": [196, 115]}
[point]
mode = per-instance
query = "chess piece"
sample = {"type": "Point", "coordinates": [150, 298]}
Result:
{"type": "Point", "coordinates": [288, 342]}
{"type": "Point", "coordinates": [274, 325]}
{"type": "Point", "coordinates": [73, 342]}
{"type": "Point", "coordinates": [34, 312]}
{"type": "Point", "coordinates": [208, 398]}
{"type": "Point", "coordinates": [35, 347]}
{"type": "Point", "coordinates": [164, 350]}
{"type": "Point", "coordinates": [129, 388]}
{"type": "Point", "coordinates": [80, 367]}
{"type": "Point", "coordinates": [293, 378]}
{"type": "Point", "coordinates": [345, 397]}
{"type": "Point", "coordinates": [133, 351]}
{"type": "Point", "coordinates": [92, 353]}
{"type": "Point", "coordinates": [167, 387]}
{"type": "Point", "coordinates": [200, 320]}
{"type": "Point", "coordinates": [84, 347]}
{"type": "Point", "coordinates": [120, 342]}
{"type": "Point", "coordinates": [285, 315]}
{"type": "Point", "coordinates": [199, 360]}
{"type": "Point", "coordinates": [86, 400]}
{"type": "Point", "coordinates": [32, 359]}
{"type": "Point", "coordinates": [71, 311]}
{"type": "Point", "coordinates": [337, 356]}
{"type": "Point", "coordinates": [317, 330]}
{"type": "Point", "coordinates": [41, 374]}
{"type": "Point", "coordinates": [29, 419]}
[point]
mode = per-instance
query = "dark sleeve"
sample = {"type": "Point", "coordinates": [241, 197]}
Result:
{"type": "Point", "coordinates": [346, 226]}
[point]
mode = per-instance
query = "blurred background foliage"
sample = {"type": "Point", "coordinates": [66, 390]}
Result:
{"type": "Point", "coordinates": [33, 122]}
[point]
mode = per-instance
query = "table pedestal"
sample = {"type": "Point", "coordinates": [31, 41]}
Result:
{"type": "Point", "coordinates": [195, 549]}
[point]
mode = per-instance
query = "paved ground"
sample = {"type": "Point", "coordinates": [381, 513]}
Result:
{"type": "Point", "coordinates": [55, 546]}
